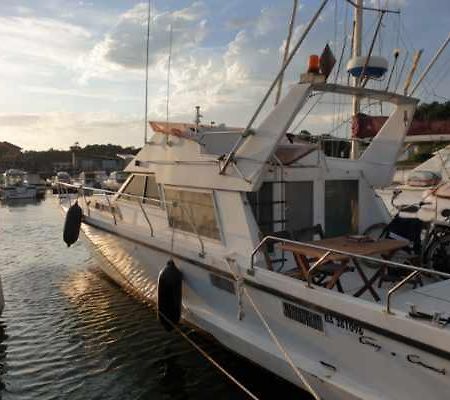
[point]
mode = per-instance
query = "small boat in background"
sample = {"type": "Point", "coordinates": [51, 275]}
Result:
{"type": "Point", "coordinates": [115, 180]}
{"type": "Point", "coordinates": [15, 186]}
{"type": "Point", "coordinates": [36, 181]}
{"type": "Point", "coordinates": [93, 179]}
{"type": "Point", "coordinates": [423, 178]}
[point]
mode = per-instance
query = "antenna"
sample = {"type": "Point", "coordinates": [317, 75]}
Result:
{"type": "Point", "coordinates": [146, 71]}
{"type": "Point", "coordinates": [286, 49]}
{"type": "Point", "coordinates": [168, 79]}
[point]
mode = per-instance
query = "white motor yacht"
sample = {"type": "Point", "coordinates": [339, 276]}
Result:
{"type": "Point", "coordinates": [255, 237]}
{"type": "Point", "coordinates": [244, 284]}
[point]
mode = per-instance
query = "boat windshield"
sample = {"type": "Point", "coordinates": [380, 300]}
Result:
{"type": "Point", "coordinates": [121, 176]}
{"type": "Point", "coordinates": [14, 178]}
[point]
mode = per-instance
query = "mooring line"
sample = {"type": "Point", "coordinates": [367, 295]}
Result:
{"type": "Point", "coordinates": [181, 333]}
{"type": "Point", "coordinates": [281, 348]}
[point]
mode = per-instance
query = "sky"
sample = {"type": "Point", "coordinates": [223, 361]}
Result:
{"type": "Point", "coordinates": [73, 70]}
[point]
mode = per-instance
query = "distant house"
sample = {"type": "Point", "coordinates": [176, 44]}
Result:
{"type": "Point", "coordinates": [62, 166]}
{"type": "Point", "coordinates": [98, 163]}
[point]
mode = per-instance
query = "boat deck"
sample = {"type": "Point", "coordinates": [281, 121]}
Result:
{"type": "Point", "coordinates": [432, 297]}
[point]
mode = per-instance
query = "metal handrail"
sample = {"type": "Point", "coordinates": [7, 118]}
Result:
{"type": "Point", "coordinates": [146, 218]}
{"type": "Point", "coordinates": [103, 191]}
{"type": "Point", "coordinates": [139, 200]}
{"type": "Point", "coordinates": [415, 271]}
{"type": "Point", "coordinates": [393, 264]}
{"type": "Point", "coordinates": [398, 286]}
{"type": "Point", "coordinates": [316, 265]}
{"type": "Point", "coordinates": [111, 209]}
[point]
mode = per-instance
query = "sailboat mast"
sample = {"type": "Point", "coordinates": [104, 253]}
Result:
{"type": "Point", "coordinates": [146, 72]}
{"type": "Point", "coordinates": [356, 52]}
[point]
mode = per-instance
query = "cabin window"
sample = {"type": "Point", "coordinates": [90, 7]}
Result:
{"type": "Point", "coordinates": [151, 191]}
{"type": "Point", "coordinates": [192, 212]}
{"type": "Point", "coordinates": [341, 207]}
{"type": "Point", "coordinates": [135, 187]}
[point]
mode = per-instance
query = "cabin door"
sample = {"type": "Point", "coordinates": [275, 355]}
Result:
{"type": "Point", "coordinates": [299, 205]}
{"type": "Point", "coordinates": [341, 207]}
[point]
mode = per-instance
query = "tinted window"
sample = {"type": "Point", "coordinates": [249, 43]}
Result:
{"type": "Point", "coordinates": [135, 187]}
{"type": "Point", "coordinates": [151, 190]}
{"type": "Point", "coordinates": [262, 207]}
{"type": "Point", "coordinates": [186, 209]}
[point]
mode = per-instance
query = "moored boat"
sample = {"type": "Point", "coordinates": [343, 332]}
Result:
{"type": "Point", "coordinates": [15, 186]}
{"type": "Point", "coordinates": [255, 238]}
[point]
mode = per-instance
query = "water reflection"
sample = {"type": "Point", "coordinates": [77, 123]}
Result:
{"type": "Point", "coordinates": [67, 332]}
{"type": "Point", "coordinates": [20, 202]}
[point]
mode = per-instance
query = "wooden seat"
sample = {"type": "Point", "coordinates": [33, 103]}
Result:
{"type": "Point", "coordinates": [327, 270]}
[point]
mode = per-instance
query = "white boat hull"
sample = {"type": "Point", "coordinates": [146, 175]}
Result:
{"type": "Point", "coordinates": [20, 192]}
{"type": "Point", "coordinates": [334, 358]}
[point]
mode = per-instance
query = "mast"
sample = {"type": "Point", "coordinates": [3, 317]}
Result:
{"type": "Point", "coordinates": [356, 52]}
{"type": "Point", "coordinates": [146, 72]}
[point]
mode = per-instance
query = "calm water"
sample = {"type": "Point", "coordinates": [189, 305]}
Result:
{"type": "Point", "coordinates": [67, 332]}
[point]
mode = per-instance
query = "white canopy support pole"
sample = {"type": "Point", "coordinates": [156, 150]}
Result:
{"type": "Point", "coordinates": [417, 56]}
{"type": "Point", "coordinates": [286, 49]}
{"type": "Point", "coordinates": [430, 65]}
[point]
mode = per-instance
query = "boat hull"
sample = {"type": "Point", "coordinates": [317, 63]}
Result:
{"type": "Point", "coordinates": [135, 268]}
{"type": "Point", "coordinates": [339, 360]}
{"type": "Point", "coordinates": [19, 192]}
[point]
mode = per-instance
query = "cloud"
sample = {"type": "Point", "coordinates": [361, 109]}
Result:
{"type": "Point", "coordinates": [42, 40]}
{"type": "Point", "coordinates": [126, 43]}
{"type": "Point", "coordinates": [213, 77]}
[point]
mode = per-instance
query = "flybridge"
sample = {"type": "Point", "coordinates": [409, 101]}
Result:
{"type": "Point", "coordinates": [194, 156]}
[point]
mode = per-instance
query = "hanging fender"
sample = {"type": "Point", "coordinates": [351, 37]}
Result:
{"type": "Point", "coordinates": [169, 295]}
{"type": "Point", "coordinates": [72, 224]}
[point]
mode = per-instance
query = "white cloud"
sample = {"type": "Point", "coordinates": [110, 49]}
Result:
{"type": "Point", "coordinates": [105, 71]}
{"type": "Point", "coordinates": [42, 40]}
{"type": "Point", "coordinates": [215, 78]}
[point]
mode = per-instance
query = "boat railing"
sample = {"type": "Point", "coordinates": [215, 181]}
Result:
{"type": "Point", "coordinates": [414, 270]}
{"type": "Point", "coordinates": [64, 188]}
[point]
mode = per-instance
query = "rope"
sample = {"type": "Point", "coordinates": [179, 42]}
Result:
{"type": "Point", "coordinates": [182, 334]}
{"type": "Point", "coordinates": [281, 348]}
{"type": "Point", "coordinates": [283, 351]}
{"type": "Point", "coordinates": [209, 358]}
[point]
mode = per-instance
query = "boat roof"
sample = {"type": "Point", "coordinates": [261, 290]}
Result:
{"type": "Point", "coordinates": [380, 95]}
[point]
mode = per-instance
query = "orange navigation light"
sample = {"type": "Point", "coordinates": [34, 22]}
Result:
{"type": "Point", "coordinates": [314, 64]}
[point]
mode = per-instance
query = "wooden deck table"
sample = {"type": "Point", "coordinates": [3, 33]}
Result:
{"type": "Point", "coordinates": [304, 255]}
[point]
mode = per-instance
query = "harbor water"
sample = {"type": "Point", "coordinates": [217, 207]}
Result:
{"type": "Point", "coordinates": [67, 332]}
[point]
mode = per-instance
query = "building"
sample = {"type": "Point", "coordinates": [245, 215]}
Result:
{"type": "Point", "coordinates": [84, 162]}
